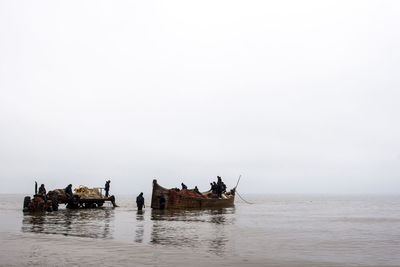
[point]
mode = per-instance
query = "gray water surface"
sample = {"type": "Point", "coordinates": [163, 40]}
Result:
{"type": "Point", "coordinates": [299, 229]}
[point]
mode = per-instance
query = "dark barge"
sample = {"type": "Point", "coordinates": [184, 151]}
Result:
{"type": "Point", "coordinates": [83, 198]}
{"type": "Point", "coordinates": [163, 198]}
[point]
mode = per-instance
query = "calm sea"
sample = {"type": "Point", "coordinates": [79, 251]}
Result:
{"type": "Point", "coordinates": [276, 230]}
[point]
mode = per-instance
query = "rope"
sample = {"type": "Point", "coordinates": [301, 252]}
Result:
{"type": "Point", "coordinates": [243, 198]}
{"type": "Point", "coordinates": [238, 181]}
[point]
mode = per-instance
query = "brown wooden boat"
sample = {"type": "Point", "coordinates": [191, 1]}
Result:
{"type": "Point", "coordinates": [163, 198]}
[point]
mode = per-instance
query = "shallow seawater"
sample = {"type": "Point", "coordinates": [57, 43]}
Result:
{"type": "Point", "coordinates": [278, 230]}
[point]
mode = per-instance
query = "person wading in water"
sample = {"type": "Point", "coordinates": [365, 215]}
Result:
{"type": "Point", "coordinates": [162, 202]}
{"type": "Point", "coordinates": [140, 201]}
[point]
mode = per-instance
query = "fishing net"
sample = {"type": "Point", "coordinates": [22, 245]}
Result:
{"type": "Point", "coordinates": [85, 192]}
{"type": "Point", "coordinates": [191, 193]}
{"type": "Point", "coordinates": [59, 193]}
{"type": "Point", "coordinates": [173, 195]}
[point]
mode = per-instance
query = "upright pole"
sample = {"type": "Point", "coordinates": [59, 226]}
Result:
{"type": "Point", "coordinates": [35, 187]}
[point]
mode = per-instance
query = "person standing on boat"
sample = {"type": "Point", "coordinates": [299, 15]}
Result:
{"type": "Point", "coordinates": [214, 187]}
{"type": "Point", "coordinates": [219, 186]}
{"type": "Point", "coordinates": [196, 190]}
{"type": "Point", "coordinates": [140, 201]}
{"type": "Point", "coordinates": [183, 186]}
{"type": "Point", "coordinates": [223, 187]}
{"type": "Point", "coordinates": [107, 187]}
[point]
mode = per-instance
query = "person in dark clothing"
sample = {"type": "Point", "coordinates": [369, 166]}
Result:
{"type": "Point", "coordinates": [223, 187]}
{"type": "Point", "coordinates": [140, 201]}
{"type": "Point", "coordinates": [214, 188]}
{"type": "Point", "coordinates": [68, 191]}
{"type": "Point", "coordinates": [107, 187]}
{"type": "Point", "coordinates": [183, 186]}
{"type": "Point", "coordinates": [219, 186]}
{"type": "Point", "coordinates": [162, 202]}
{"type": "Point", "coordinates": [42, 190]}
{"type": "Point", "coordinates": [196, 190]}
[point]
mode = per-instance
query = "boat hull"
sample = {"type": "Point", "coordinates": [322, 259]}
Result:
{"type": "Point", "coordinates": [181, 201]}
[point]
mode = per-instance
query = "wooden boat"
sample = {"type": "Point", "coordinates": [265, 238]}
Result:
{"type": "Point", "coordinates": [163, 198]}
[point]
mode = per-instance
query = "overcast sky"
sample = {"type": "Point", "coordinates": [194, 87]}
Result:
{"type": "Point", "coordinates": [296, 96]}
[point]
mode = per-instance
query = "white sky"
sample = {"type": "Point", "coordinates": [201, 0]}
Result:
{"type": "Point", "coordinates": [297, 96]}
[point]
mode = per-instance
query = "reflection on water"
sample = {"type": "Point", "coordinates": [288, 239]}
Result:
{"type": "Point", "coordinates": [204, 229]}
{"type": "Point", "coordinates": [94, 223]}
{"type": "Point", "coordinates": [217, 244]}
{"type": "Point", "coordinates": [139, 227]}
{"type": "Point", "coordinates": [190, 228]}
{"type": "Point", "coordinates": [354, 230]}
{"type": "Point", "coordinates": [217, 216]}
